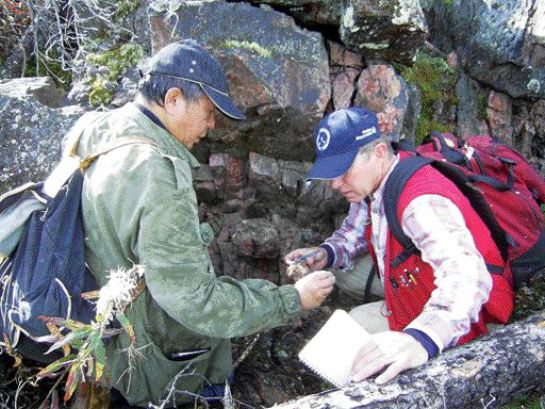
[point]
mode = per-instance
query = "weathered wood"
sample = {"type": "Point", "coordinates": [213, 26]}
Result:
{"type": "Point", "coordinates": [488, 372]}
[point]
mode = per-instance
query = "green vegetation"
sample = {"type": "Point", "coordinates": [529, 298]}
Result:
{"type": "Point", "coordinates": [528, 402]}
{"type": "Point", "coordinates": [50, 67]}
{"type": "Point", "coordinates": [124, 8]}
{"type": "Point", "coordinates": [482, 105]}
{"type": "Point", "coordinates": [436, 81]}
{"type": "Point", "coordinates": [110, 65]}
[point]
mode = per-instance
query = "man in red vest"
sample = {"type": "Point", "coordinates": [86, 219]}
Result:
{"type": "Point", "coordinates": [441, 296]}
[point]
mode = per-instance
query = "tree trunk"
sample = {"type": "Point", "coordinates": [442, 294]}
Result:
{"type": "Point", "coordinates": [487, 373]}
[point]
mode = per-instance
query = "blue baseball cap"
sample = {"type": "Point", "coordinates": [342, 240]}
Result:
{"type": "Point", "coordinates": [187, 60]}
{"type": "Point", "coordinates": [339, 136]}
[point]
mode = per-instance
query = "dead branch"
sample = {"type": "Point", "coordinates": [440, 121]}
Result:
{"type": "Point", "coordinates": [485, 373]}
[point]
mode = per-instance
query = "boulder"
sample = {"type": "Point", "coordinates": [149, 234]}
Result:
{"type": "Point", "coordinates": [529, 126]}
{"type": "Point", "coordinates": [390, 31]}
{"type": "Point", "coordinates": [228, 175]}
{"type": "Point", "coordinates": [318, 200]}
{"type": "Point", "coordinates": [386, 93]}
{"type": "Point", "coordinates": [256, 238]}
{"type": "Point", "coordinates": [470, 115]}
{"type": "Point", "coordinates": [345, 68]}
{"type": "Point", "coordinates": [43, 89]}
{"type": "Point", "coordinates": [293, 176]}
{"type": "Point", "coordinates": [499, 43]}
{"type": "Point", "coordinates": [278, 72]}
{"type": "Point", "coordinates": [30, 139]}
{"type": "Point", "coordinates": [308, 12]}
{"type": "Point", "coordinates": [500, 116]}
{"type": "Point", "coordinates": [203, 181]}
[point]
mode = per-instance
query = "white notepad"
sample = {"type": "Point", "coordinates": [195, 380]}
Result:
{"type": "Point", "coordinates": [331, 352]}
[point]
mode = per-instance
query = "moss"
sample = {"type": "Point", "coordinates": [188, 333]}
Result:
{"type": "Point", "coordinates": [436, 81]}
{"type": "Point", "coordinates": [124, 8]}
{"type": "Point", "coordinates": [528, 402]}
{"type": "Point", "coordinates": [115, 61]}
{"type": "Point", "coordinates": [250, 46]}
{"type": "Point", "coordinates": [50, 67]}
{"type": "Point", "coordinates": [99, 95]}
{"type": "Point", "coordinates": [482, 105]}
{"type": "Point", "coordinates": [531, 298]}
{"type": "Point", "coordinates": [425, 125]}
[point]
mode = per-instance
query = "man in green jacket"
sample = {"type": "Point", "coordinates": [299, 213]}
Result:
{"type": "Point", "coordinates": [139, 207]}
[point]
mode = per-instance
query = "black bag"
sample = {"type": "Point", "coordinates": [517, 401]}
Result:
{"type": "Point", "coordinates": [46, 274]}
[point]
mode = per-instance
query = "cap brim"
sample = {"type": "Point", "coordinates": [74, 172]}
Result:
{"type": "Point", "coordinates": [223, 103]}
{"type": "Point", "coordinates": [332, 166]}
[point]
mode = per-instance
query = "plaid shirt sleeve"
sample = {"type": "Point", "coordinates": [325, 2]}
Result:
{"type": "Point", "coordinates": [462, 281]}
{"type": "Point", "coordinates": [348, 241]}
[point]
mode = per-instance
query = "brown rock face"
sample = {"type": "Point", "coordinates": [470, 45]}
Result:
{"type": "Point", "coordinates": [279, 73]}
{"type": "Point", "coordinates": [383, 91]}
{"type": "Point", "coordinates": [500, 116]}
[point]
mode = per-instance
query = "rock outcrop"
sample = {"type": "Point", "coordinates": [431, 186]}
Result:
{"type": "Point", "coordinates": [30, 139]}
{"type": "Point", "coordinates": [500, 43]}
{"type": "Point", "coordinates": [278, 73]}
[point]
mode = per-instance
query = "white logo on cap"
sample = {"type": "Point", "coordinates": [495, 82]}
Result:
{"type": "Point", "coordinates": [322, 140]}
{"type": "Point", "coordinates": [366, 132]}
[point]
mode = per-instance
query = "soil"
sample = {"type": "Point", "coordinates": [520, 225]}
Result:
{"type": "Point", "coordinates": [272, 372]}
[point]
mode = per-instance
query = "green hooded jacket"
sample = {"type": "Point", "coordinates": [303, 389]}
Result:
{"type": "Point", "coordinates": [139, 207]}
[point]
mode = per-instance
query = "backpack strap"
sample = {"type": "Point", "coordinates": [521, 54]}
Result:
{"type": "Point", "coordinates": [448, 150]}
{"type": "Point", "coordinates": [397, 181]}
{"type": "Point", "coordinates": [88, 160]}
{"type": "Point", "coordinates": [71, 161]}
{"type": "Point", "coordinates": [392, 191]}
{"type": "Point", "coordinates": [495, 183]}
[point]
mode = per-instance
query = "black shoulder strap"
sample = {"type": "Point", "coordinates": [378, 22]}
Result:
{"type": "Point", "coordinates": [392, 191]}
{"type": "Point", "coordinates": [396, 183]}
{"type": "Point", "coordinates": [449, 152]}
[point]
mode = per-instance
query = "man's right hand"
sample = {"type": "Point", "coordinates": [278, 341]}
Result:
{"type": "Point", "coordinates": [314, 288]}
{"type": "Point", "coordinates": [315, 262]}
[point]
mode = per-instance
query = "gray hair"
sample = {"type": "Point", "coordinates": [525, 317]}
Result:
{"type": "Point", "coordinates": [366, 149]}
{"type": "Point", "coordinates": [154, 88]}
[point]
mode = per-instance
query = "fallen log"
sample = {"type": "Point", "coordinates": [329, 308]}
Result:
{"type": "Point", "coordinates": [485, 373]}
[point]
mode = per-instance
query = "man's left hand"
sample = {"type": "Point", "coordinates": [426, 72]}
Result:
{"type": "Point", "coordinates": [391, 352]}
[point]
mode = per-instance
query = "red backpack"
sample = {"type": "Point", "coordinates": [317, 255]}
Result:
{"type": "Point", "coordinates": [504, 189]}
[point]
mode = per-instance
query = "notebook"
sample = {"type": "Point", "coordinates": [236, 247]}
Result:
{"type": "Point", "coordinates": [331, 352]}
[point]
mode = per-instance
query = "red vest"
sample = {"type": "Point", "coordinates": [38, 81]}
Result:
{"type": "Point", "coordinates": [408, 287]}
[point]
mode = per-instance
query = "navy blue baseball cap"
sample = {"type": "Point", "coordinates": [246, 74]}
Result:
{"type": "Point", "coordinates": [339, 136]}
{"type": "Point", "coordinates": [187, 60]}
